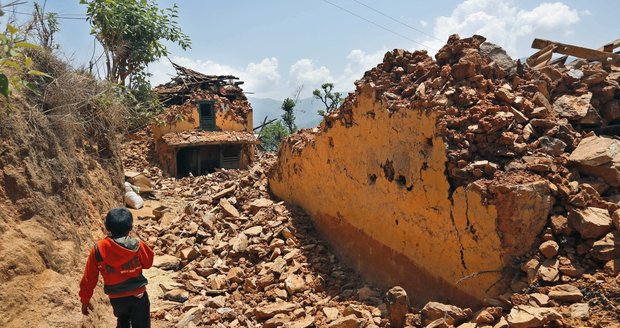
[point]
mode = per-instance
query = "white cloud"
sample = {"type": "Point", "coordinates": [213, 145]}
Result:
{"type": "Point", "coordinates": [304, 71]}
{"type": "Point", "coordinates": [504, 23]}
{"type": "Point", "coordinates": [262, 78]}
{"type": "Point", "coordinates": [424, 23]}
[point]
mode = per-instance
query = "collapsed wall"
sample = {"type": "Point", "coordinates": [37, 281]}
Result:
{"type": "Point", "coordinates": [440, 175]}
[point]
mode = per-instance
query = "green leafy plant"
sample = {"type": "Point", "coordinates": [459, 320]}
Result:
{"type": "Point", "coordinates": [272, 134]}
{"type": "Point", "coordinates": [331, 100]}
{"type": "Point", "coordinates": [131, 33]}
{"type": "Point", "coordinates": [288, 118]}
{"type": "Point", "coordinates": [14, 62]}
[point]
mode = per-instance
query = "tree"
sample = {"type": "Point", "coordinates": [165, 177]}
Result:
{"type": "Point", "coordinates": [272, 134]}
{"type": "Point", "coordinates": [288, 118]}
{"type": "Point", "coordinates": [331, 100]}
{"type": "Point", "coordinates": [131, 33]}
{"type": "Point", "coordinates": [45, 26]}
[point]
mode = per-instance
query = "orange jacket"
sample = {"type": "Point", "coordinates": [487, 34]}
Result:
{"type": "Point", "coordinates": [120, 266]}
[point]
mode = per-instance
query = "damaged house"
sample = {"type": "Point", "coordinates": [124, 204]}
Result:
{"type": "Point", "coordinates": [207, 124]}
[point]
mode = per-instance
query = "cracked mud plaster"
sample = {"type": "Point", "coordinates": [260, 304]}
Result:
{"type": "Point", "coordinates": [419, 238]}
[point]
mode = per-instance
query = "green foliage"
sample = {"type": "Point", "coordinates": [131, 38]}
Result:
{"type": "Point", "coordinates": [331, 100]}
{"type": "Point", "coordinates": [14, 63]}
{"type": "Point", "coordinates": [288, 118]}
{"type": "Point", "coordinates": [272, 134]}
{"type": "Point", "coordinates": [142, 101]}
{"type": "Point", "coordinates": [131, 33]}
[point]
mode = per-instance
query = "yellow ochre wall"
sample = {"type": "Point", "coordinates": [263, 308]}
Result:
{"type": "Point", "coordinates": [407, 234]}
{"type": "Point", "coordinates": [225, 120]}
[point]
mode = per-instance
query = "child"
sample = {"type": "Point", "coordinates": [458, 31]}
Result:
{"type": "Point", "coordinates": [120, 259]}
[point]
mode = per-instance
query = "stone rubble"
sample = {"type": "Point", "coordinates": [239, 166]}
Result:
{"type": "Point", "coordinates": [246, 260]}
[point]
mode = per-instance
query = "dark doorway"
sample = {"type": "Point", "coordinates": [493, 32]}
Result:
{"type": "Point", "coordinates": [197, 160]}
{"type": "Point", "coordinates": [230, 156]}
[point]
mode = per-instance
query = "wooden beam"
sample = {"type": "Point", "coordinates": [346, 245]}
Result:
{"type": "Point", "coordinates": [581, 52]}
{"type": "Point", "coordinates": [541, 57]}
{"type": "Point", "coordinates": [609, 47]}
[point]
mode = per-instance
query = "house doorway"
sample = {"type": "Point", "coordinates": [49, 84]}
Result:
{"type": "Point", "coordinates": [201, 160]}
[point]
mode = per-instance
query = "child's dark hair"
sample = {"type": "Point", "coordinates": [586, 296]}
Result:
{"type": "Point", "coordinates": [119, 222]}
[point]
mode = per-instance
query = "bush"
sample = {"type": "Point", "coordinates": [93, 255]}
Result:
{"type": "Point", "coordinates": [272, 134]}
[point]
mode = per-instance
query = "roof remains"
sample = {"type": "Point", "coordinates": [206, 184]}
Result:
{"type": "Point", "coordinates": [188, 80]}
{"type": "Point", "coordinates": [202, 138]}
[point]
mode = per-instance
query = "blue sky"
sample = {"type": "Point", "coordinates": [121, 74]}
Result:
{"type": "Point", "coordinates": [277, 45]}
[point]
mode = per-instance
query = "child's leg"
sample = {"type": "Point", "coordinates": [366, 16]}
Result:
{"type": "Point", "coordinates": [121, 308]}
{"type": "Point", "coordinates": [141, 312]}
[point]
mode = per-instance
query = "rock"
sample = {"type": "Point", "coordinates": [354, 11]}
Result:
{"type": "Point", "coordinates": [549, 271]}
{"type": "Point", "coordinates": [539, 299]}
{"type": "Point", "coordinates": [177, 295]}
{"type": "Point", "coordinates": [294, 284]}
{"type": "Point", "coordinates": [270, 310]}
{"type": "Point", "coordinates": [572, 107]}
{"type": "Point", "coordinates": [350, 321]}
{"type": "Point", "coordinates": [366, 293]}
{"type": "Point", "coordinates": [463, 69]}
{"type": "Point", "coordinates": [580, 311]}
{"type": "Point", "coordinates": [484, 318]}
{"type": "Point", "coordinates": [253, 231]}
{"type": "Point", "coordinates": [260, 203]}
{"type": "Point", "coordinates": [498, 55]}
{"type": "Point", "coordinates": [397, 306]}
{"type": "Point", "coordinates": [595, 151]}
{"type": "Point", "coordinates": [607, 248]}
{"type": "Point", "coordinates": [559, 225]}
{"type": "Point", "coordinates": [302, 323]}
{"type": "Point", "coordinates": [552, 146]}
{"type": "Point", "coordinates": [524, 316]}
{"type": "Point", "coordinates": [167, 262]}
{"type": "Point", "coordinates": [331, 313]}
{"type": "Point", "coordinates": [240, 243]}
{"type": "Point", "coordinates": [435, 310]}
{"type": "Point", "coordinates": [600, 157]}
{"type": "Point", "coordinates": [612, 267]}
{"type": "Point", "coordinates": [591, 222]}
{"type": "Point", "coordinates": [615, 219]}
{"type": "Point", "coordinates": [189, 254]}
{"type": "Point", "coordinates": [216, 302]}
{"type": "Point", "coordinates": [188, 317]}
{"type": "Point", "coordinates": [440, 323]}
{"type": "Point", "coordinates": [502, 323]}
{"type": "Point", "coordinates": [228, 208]}
{"type": "Point", "coordinates": [549, 249]}
{"type": "Point", "coordinates": [569, 268]}
{"type": "Point", "coordinates": [565, 293]}
{"type": "Point", "coordinates": [235, 274]}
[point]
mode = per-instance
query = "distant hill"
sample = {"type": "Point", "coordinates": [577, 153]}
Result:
{"type": "Point", "coordinates": [305, 111]}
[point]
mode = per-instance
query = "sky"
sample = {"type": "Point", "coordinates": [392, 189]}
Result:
{"type": "Point", "coordinates": [276, 46]}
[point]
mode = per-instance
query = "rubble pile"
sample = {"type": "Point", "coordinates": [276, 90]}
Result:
{"type": "Point", "coordinates": [504, 123]}
{"type": "Point", "coordinates": [241, 258]}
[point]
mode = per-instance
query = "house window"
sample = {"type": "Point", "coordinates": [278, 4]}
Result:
{"type": "Point", "coordinates": [206, 110]}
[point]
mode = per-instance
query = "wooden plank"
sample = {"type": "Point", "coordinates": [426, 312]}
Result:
{"type": "Point", "coordinates": [610, 46]}
{"type": "Point", "coordinates": [581, 52]}
{"type": "Point", "coordinates": [542, 55]}
{"type": "Point", "coordinates": [559, 60]}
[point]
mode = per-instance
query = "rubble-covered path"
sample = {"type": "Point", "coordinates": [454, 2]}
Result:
{"type": "Point", "coordinates": [228, 255]}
